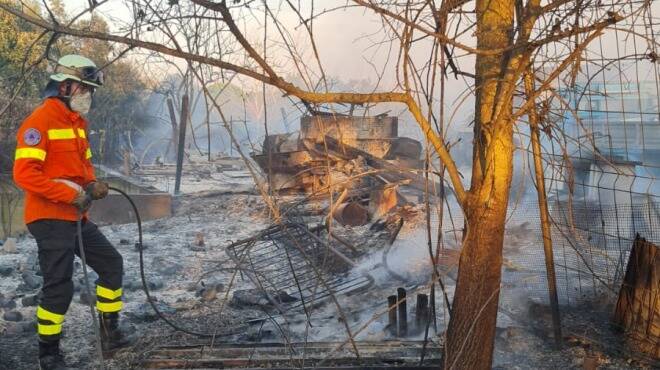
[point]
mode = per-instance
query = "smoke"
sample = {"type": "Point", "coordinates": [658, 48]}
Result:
{"type": "Point", "coordinates": [405, 262]}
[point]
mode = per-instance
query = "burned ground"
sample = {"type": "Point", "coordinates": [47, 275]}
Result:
{"type": "Point", "coordinates": [196, 285]}
{"type": "Point", "coordinates": [173, 264]}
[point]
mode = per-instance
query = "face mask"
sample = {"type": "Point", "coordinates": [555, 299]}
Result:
{"type": "Point", "coordinates": [81, 103]}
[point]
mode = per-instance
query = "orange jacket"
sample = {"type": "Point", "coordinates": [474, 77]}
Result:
{"type": "Point", "coordinates": [51, 146]}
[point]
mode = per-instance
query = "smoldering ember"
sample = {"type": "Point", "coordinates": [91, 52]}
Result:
{"type": "Point", "coordinates": [329, 184]}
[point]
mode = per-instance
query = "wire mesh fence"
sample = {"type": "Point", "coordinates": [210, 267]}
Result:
{"type": "Point", "coordinates": [601, 157]}
{"type": "Point", "coordinates": [591, 245]}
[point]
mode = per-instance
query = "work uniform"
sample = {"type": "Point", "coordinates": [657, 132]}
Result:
{"type": "Point", "coordinates": [52, 165]}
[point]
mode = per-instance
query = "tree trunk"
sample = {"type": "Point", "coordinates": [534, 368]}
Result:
{"type": "Point", "coordinates": [638, 307]}
{"type": "Point", "coordinates": [471, 332]}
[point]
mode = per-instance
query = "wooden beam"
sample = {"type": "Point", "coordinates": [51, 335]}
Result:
{"type": "Point", "coordinates": [391, 172]}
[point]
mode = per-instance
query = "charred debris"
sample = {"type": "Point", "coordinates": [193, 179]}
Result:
{"type": "Point", "coordinates": [355, 170]}
{"type": "Point", "coordinates": [346, 185]}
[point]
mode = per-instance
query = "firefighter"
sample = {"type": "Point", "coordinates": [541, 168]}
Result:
{"type": "Point", "coordinates": [53, 166]}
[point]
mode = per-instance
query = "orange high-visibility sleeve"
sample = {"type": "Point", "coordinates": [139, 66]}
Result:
{"type": "Point", "coordinates": [91, 177]}
{"type": "Point", "coordinates": [31, 152]}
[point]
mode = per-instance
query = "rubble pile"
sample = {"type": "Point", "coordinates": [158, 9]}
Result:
{"type": "Point", "coordinates": [299, 161]}
{"type": "Point", "coordinates": [362, 159]}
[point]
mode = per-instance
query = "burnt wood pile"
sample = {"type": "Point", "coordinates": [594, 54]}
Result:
{"type": "Point", "coordinates": [360, 159]}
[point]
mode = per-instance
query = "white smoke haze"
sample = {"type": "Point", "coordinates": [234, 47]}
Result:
{"type": "Point", "coordinates": [355, 58]}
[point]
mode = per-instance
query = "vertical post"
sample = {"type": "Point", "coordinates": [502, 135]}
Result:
{"type": "Point", "coordinates": [403, 312]}
{"type": "Point", "coordinates": [421, 312]}
{"type": "Point", "coordinates": [208, 126]}
{"type": "Point", "coordinates": [127, 162]}
{"type": "Point", "coordinates": [208, 136]}
{"type": "Point", "coordinates": [102, 145]}
{"type": "Point", "coordinates": [174, 142]}
{"type": "Point", "coordinates": [263, 92]}
{"type": "Point", "coordinates": [391, 314]}
{"type": "Point", "coordinates": [182, 141]}
{"type": "Point", "coordinates": [543, 208]}
{"type": "Point", "coordinates": [231, 131]}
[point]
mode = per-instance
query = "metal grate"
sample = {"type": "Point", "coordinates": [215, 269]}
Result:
{"type": "Point", "coordinates": [295, 268]}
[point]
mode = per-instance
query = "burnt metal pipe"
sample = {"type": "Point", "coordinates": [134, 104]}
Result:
{"type": "Point", "coordinates": [403, 312]}
{"type": "Point", "coordinates": [391, 314]}
{"type": "Point", "coordinates": [422, 312]}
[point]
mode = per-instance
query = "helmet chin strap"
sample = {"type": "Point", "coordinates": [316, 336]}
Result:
{"type": "Point", "coordinates": [66, 97]}
{"type": "Point", "coordinates": [67, 92]}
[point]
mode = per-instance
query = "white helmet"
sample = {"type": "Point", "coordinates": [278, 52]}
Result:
{"type": "Point", "coordinates": [78, 68]}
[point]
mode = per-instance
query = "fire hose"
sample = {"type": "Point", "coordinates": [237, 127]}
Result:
{"type": "Point", "coordinates": [95, 323]}
{"type": "Point", "coordinates": [145, 286]}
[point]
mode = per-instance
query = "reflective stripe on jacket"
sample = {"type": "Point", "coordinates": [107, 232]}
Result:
{"type": "Point", "coordinates": [51, 144]}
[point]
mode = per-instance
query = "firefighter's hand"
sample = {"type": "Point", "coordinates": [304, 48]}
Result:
{"type": "Point", "coordinates": [97, 190]}
{"type": "Point", "coordinates": [82, 201]}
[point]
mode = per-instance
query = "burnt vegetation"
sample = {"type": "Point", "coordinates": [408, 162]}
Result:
{"type": "Point", "coordinates": [516, 141]}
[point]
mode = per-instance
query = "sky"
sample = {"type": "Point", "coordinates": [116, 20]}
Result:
{"type": "Point", "coordinates": [347, 41]}
{"type": "Point", "coordinates": [345, 38]}
{"type": "Point", "coordinates": [351, 46]}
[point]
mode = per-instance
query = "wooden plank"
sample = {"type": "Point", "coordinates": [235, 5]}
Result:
{"type": "Point", "coordinates": [392, 173]}
{"type": "Point", "coordinates": [259, 355]}
{"type": "Point", "coordinates": [210, 364]}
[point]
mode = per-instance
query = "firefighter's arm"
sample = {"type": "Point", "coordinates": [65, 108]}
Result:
{"type": "Point", "coordinates": [31, 152]}
{"type": "Point", "coordinates": [90, 177]}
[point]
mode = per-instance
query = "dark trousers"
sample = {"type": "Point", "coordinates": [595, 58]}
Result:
{"type": "Point", "coordinates": [57, 242]}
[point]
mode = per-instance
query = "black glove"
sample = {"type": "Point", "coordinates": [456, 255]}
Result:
{"type": "Point", "coordinates": [97, 190]}
{"type": "Point", "coordinates": [82, 201]}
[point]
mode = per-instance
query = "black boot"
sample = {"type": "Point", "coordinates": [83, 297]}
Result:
{"type": "Point", "coordinates": [112, 336]}
{"type": "Point", "coordinates": [50, 356]}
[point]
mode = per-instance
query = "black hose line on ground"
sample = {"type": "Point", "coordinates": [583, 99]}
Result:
{"type": "Point", "coordinates": [140, 248]}
{"type": "Point", "coordinates": [95, 323]}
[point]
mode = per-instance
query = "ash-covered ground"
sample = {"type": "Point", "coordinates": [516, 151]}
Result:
{"type": "Point", "coordinates": [174, 263]}
{"type": "Point", "coordinates": [196, 286]}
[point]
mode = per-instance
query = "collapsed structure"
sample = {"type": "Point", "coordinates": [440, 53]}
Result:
{"type": "Point", "coordinates": [361, 158]}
